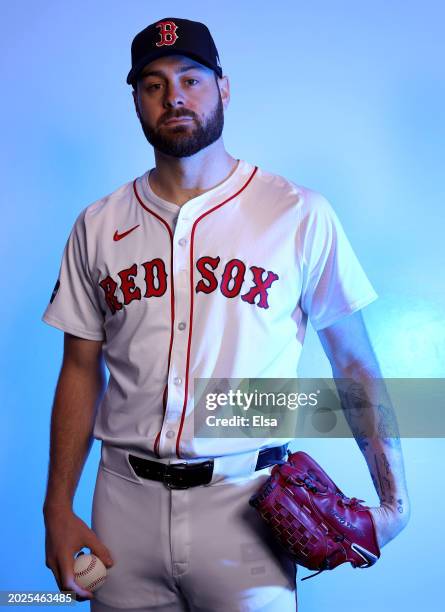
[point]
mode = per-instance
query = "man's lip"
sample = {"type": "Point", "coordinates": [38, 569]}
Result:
{"type": "Point", "coordinates": [178, 119]}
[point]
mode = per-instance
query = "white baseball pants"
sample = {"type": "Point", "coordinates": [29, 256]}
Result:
{"type": "Point", "coordinates": [202, 549]}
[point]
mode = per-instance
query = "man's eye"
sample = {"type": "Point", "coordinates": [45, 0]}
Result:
{"type": "Point", "coordinates": [156, 86]}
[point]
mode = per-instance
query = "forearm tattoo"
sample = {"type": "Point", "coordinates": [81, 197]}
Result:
{"type": "Point", "coordinates": [387, 426]}
{"type": "Point", "coordinates": [374, 423]}
{"type": "Point", "coordinates": [368, 420]}
{"type": "Point", "coordinates": [381, 480]}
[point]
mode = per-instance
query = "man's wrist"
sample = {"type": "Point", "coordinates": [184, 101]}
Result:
{"type": "Point", "coordinates": [56, 506]}
{"type": "Point", "coordinates": [399, 508]}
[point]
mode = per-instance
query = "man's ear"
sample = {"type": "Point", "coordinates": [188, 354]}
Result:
{"type": "Point", "coordinates": [224, 90]}
{"type": "Point", "coordinates": [135, 100]}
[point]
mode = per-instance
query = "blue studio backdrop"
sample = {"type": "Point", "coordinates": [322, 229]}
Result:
{"type": "Point", "coordinates": [346, 98]}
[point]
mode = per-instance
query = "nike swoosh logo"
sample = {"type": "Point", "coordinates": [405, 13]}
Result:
{"type": "Point", "coordinates": [118, 236]}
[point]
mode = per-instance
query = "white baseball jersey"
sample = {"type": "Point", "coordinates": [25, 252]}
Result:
{"type": "Point", "coordinates": [221, 287]}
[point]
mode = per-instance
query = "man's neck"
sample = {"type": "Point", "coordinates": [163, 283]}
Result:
{"type": "Point", "coordinates": [178, 180]}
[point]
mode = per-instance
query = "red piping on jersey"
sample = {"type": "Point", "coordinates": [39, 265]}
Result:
{"type": "Point", "coordinates": [191, 303]}
{"type": "Point", "coordinates": [172, 309]}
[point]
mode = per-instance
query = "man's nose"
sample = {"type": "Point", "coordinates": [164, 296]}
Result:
{"type": "Point", "coordinates": [173, 97]}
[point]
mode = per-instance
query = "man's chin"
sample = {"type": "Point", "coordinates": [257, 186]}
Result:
{"type": "Point", "coordinates": [177, 148]}
{"type": "Point", "coordinates": [176, 131]}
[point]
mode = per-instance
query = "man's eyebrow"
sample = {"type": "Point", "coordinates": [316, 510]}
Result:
{"type": "Point", "coordinates": [180, 70]}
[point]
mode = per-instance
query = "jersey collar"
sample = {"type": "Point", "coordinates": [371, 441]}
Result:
{"type": "Point", "coordinates": [203, 202]}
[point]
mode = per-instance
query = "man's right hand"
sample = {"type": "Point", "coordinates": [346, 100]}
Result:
{"type": "Point", "coordinates": [67, 534]}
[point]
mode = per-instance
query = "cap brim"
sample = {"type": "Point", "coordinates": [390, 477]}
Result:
{"type": "Point", "coordinates": [133, 75]}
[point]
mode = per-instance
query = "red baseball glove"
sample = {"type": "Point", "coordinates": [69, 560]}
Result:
{"type": "Point", "coordinates": [318, 526]}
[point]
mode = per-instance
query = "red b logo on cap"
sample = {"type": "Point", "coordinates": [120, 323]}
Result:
{"type": "Point", "coordinates": [167, 30]}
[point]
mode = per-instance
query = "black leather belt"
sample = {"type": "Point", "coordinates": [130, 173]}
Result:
{"type": "Point", "coordinates": [185, 475]}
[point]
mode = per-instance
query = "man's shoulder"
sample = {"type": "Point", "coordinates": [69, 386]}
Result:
{"type": "Point", "coordinates": [110, 208]}
{"type": "Point", "coordinates": [108, 203]}
{"type": "Point", "coordinates": [308, 199]}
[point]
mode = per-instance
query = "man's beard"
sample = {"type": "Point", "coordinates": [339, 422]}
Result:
{"type": "Point", "coordinates": [184, 140]}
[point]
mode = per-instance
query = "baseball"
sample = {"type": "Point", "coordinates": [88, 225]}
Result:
{"type": "Point", "coordinates": [89, 572]}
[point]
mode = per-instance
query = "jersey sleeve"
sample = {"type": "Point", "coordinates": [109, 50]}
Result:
{"type": "Point", "coordinates": [334, 283]}
{"type": "Point", "coordinates": [74, 305]}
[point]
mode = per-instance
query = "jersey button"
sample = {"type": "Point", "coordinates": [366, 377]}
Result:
{"type": "Point", "coordinates": [170, 433]}
{"type": "Point", "coordinates": [177, 380]}
{"type": "Point", "coordinates": [182, 326]}
{"type": "Point", "coordinates": [183, 241]}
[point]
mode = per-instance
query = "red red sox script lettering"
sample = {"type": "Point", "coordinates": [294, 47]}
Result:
{"type": "Point", "coordinates": [167, 31]}
{"type": "Point", "coordinates": [155, 280]}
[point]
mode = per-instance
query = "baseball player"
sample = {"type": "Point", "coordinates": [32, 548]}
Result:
{"type": "Point", "coordinates": [206, 266]}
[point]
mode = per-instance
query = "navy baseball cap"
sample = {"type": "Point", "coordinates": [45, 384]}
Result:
{"type": "Point", "coordinates": [173, 36]}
